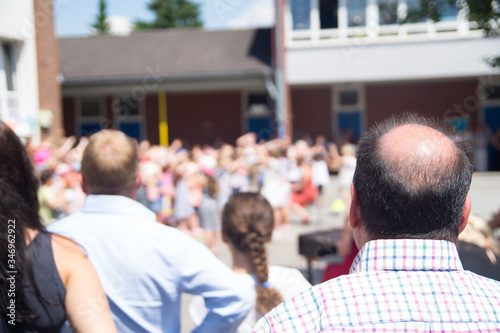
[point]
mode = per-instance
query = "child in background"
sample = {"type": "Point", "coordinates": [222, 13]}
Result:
{"type": "Point", "coordinates": [346, 247]}
{"type": "Point", "coordinates": [276, 189]}
{"type": "Point", "coordinates": [51, 199]}
{"type": "Point", "coordinates": [73, 193]}
{"type": "Point", "coordinates": [320, 174]}
{"type": "Point", "coordinates": [208, 211]}
{"type": "Point", "coordinates": [151, 180]}
{"type": "Point", "coordinates": [303, 191]}
{"type": "Point", "coordinates": [168, 193]}
{"type": "Point", "coordinates": [184, 204]}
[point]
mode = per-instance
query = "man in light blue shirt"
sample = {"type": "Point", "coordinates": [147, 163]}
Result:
{"type": "Point", "coordinates": [144, 266]}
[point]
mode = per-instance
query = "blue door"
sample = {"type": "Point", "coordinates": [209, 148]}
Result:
{"type": "Point", "coordinates": [260, 117]}
{"type": "Point", "coordinates": [492, 118]}
{"type": "Point", "coordinates": [132, 129]}
{"type": "Point", "coordinates": [89, 128]}
{"type": "Point", "coordinates": [350, 121]}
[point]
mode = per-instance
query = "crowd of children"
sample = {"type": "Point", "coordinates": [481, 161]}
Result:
{"type": "Point", "coordinates": [189, 188]}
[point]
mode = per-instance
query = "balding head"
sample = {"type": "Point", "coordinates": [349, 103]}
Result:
{"type": "Point", "coordinates": [412, 178]}
{"type": "Point", "coordinates": [422, 150]}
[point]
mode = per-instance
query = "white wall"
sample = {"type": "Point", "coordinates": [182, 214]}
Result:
{"type": "Point", "coordinates": [16, 18]}
{"type": "Point", "coordinates": [391, 61]}
{"type": "Point", "coordinates": [17, 27]}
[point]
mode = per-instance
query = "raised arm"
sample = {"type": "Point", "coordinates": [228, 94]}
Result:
{"type": "Point", "coordinates": [87, 307]}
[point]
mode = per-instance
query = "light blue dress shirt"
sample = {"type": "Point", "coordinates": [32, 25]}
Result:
{"type": "Point", "coordinates": [145, 266]}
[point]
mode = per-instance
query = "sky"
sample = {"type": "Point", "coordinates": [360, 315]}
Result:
{"type": "Point", "coordinates": [73, 18]}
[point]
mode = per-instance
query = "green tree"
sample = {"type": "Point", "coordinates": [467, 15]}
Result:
{"type": "Point", "coordinates": [428, 9]}
{"type": "Point", "coordinates": [100, 24]}
{"type": "Point", "coordinates": [172, 14]}
{"type": "Point", "coordinates": [485, 13]}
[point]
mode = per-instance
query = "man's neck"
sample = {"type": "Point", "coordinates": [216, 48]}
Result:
{"type": "Point", "coordinates": [130, 195]}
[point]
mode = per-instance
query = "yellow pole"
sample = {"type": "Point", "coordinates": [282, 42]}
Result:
{"type": "Point", "coordinates": [162, 112]}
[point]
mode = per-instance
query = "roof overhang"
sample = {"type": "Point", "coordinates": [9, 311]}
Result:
{"type": "Point", "coordinates": [170, 83]}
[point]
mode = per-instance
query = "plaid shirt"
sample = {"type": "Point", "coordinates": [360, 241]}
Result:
{"type": "Point", "coordinates": [395, 286]}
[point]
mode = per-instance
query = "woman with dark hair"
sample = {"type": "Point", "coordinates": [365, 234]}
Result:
{"type": "Point", "coordinates": [45, 279]}
{"type": "Point", "coordinates": [247, 225]}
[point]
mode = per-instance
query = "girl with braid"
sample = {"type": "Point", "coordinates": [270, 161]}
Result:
{"type": "Point", "coordinates": [247, 225]}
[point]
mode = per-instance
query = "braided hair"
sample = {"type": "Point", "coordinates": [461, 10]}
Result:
{"type": "Point", "coordinates": [247, 222]}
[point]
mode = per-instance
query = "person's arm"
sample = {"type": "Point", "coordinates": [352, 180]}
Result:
{"type": "Point", "coordinates": [205, 275]}
{"type": "Point", "coordinates": [65, 148]}
{"type": "Point", "coordinates": [86, 304]}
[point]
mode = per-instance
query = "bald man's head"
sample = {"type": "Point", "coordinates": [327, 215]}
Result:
{"type": "Point", "coordinates": [426, 152]}
{"type": "Point", "coordinates": [412, 178]}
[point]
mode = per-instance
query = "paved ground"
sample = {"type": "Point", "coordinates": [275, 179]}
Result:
{"type": "Point", "coordinates": [283, 250]}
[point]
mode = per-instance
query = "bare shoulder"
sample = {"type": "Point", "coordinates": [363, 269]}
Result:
{"type": "Point", "coordinates": [66, 244]}
{"type": "Point", "coordinates": [65, 248]}
{"type": "Point", "coordinates": [86, 304]}
{"type": "Point", "coordinates": [68, 256]}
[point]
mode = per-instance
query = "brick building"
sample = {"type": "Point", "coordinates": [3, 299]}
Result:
{"type": "Point", "coordinates": [345, 65]}
{"type": "Point", "coordinates": [351, 64]}
{"type": "Point", "coordinates": [29, 68]}
{"type": "Point", "coordinates": [201, 86]}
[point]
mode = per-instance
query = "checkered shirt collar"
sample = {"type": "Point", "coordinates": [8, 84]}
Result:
{"type": "Point", "coordinates": [407, 254]}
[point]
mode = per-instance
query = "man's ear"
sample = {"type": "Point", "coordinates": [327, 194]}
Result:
{"type": "Point", "coordinates": [355, 210]}
{"type": "Point", "coordinates": [465, 215]}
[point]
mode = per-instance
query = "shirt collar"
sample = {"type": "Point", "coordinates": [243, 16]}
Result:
{"type": "Point", "coordinates": [407, 254]}
{"type": "Point", "coordinates": [116, 204]}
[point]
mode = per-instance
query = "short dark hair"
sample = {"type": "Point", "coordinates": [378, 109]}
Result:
{"type": "Point", "coordinates": [411, 200]}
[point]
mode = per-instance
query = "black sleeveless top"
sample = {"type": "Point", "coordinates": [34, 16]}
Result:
{"type": "Point", "coordinates": [49, 310]}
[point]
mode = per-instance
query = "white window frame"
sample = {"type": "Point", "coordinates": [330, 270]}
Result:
{"type": "Point", "coordinates": [373, 30]}
{"type": "Point", "coordinates": [245, 116]}
{"type": "Point", "coordinates": [80, 120]}
{"type": "Point", "coordinates": [7, 110]}
{"type": "Point", "coordinates": [118, 120]}
{"type": "Point", "coordinates": [485, 82]}
{"type": "Point", "coordinates": [360, 106]}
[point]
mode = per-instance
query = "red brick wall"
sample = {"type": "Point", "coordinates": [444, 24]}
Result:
{"type": "Point", "coordinates": [152, 119]}
{"type": "Point", "coordinates": [204, 117]}
{"type": "Point", "coordinates": [49, 90]}
{"type": "Point", "coordinates": [108, 111]}
{"type": "Point", "coordinates": [439, 99]}
{"type": "Point", "coordinates": [311, 112]}
{"type": "Point", "coordinates": [68, 104]}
